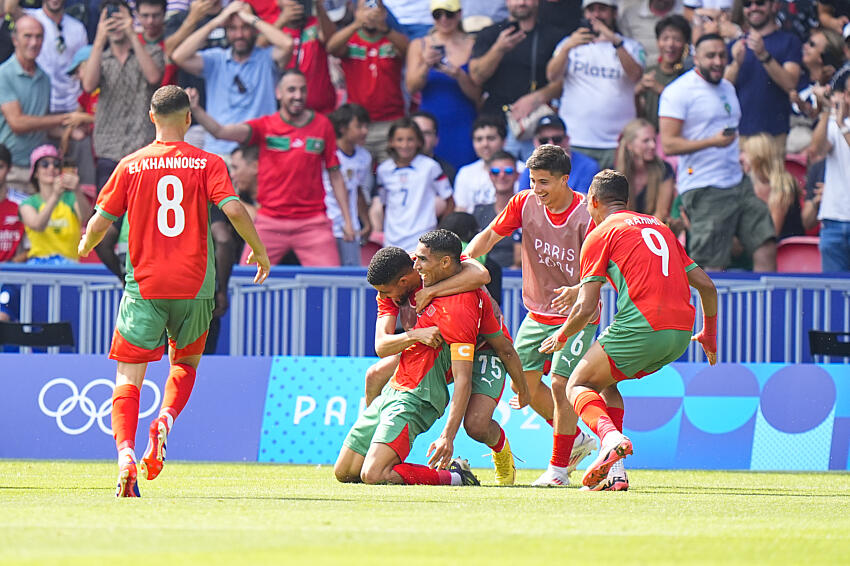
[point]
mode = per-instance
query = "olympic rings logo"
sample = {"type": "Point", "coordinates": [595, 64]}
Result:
{"type": "Point", "coordinates": [87, 406]}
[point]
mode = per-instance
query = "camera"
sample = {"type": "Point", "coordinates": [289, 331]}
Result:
{"type": "Point", "coordinates": [112, 8]}
{"type": "Point", "coordinates": [586, 23]}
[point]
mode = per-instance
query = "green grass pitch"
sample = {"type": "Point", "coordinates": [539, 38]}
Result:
{"type": "Point", "coordinates": [243, 514]}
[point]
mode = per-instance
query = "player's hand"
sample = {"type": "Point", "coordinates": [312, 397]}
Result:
{"type": "Point", "coordinates": [552, 343]}
{"type": "Point", "coordinates": [565, 299]}
{"type": "Point", "coordinates": [222, 303]}
{"type": "Point", "coordinates": [81, 248]}
{"type": "Point", "coordinates": [423, 298]}
{"type": "Point", "coordinates": [522, 398]}
{"type": "Point", "coordinates": [429, 336]}
{"type": "Point", "coordinates": [263, 265]}
{"type": "Point", "coordinates": [442, 450]}
{"type": "Point", "coordinates": [709, 345]}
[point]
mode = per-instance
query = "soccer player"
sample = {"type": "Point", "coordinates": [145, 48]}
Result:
{"type": "Point", "coordinates": [644, 261]}
{"type": "Point", "coordinates": [392, 273]}
{"type": "Point", "coordinates": [555, 224]}
{"type": "Point", "coordinates": [165, 188]}
{"type": "Point", "coordinates": [380, 440]}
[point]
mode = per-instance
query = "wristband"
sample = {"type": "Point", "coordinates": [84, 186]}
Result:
{"type": "Point", "coordinates": [766, 60]}
{"type": "Point", "coordinates": [618, 45]}
{"type": "Point", "coordinates": [709, 325]}
{"type": "Point", "coordinates": [563, 338]}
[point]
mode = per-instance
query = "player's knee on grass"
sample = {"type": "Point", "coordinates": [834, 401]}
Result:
{"type": "Point", "coordinates": [374, 474]}
{"type": "Point", "coordinates": [348, 466]}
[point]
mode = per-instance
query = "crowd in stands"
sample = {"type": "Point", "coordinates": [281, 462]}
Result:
{"type": "Point", "coordinates": [350, 124]}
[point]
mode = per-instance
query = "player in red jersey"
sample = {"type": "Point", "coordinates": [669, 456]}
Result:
{"type": "Point", "coordinates": [165, 188]}
{"type": "Point", "coordinates": [644, 261]}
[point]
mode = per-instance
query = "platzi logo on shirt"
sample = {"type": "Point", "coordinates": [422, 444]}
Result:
{"type": "Point", "coordinates": [584, 68]}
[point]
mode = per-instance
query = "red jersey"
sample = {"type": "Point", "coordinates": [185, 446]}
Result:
{"type": "Point", "coordinates": [165, 189]}
{"type": "Point", "coordinates": [309, 56]}
{"type": "Point", "coordinates": [169, 73]}
{"type": "Point", "coordinates": [289, 178]}
{"type": "Point", "coordinates": [11, 229]}
{"type": "Point", "coordinates": [267, 10]}
{"type": "Point", "coordinates": [642, 258]}
{"type": "Point", "coordinates": [372, 67]}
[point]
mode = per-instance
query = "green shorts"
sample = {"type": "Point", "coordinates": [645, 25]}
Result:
{"type": "Point", "coordinates": [633, 355]}
{"type": "Point", "coordinates": [531, 333]}
{"type": "Point", "coordinates": [143, 324]}
{"type": "Point", "coordinates": [394, 418]}
{"type": "Point", "coordinates": [488, 375]}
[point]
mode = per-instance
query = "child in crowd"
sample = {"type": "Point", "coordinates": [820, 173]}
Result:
{"type": "Point", "coordinates": [412, 190]}
{"type": "Point", "coordinates": [351, 125]}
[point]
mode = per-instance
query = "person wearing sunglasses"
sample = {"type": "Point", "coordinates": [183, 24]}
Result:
{"type": "Point", "coordinates": [54, 215]}
{"type": "Point", "coordinates": [503, 174]}
{"type": "Point", "coordinates": [552, 130]}
{"type": "Point", "coordinates": [764, 67]}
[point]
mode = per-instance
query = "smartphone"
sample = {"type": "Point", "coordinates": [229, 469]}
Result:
{"type": "Point", "coordinates": [728, 132]}
{"type": "Point", "coordinates": [442, 50]}
{"type": "Point", "coordinates": [112, 9]}
{"type": "Point", "coordinates": [308, 7]}
{"type": "Point", "coordinates": [585, 23]}
{"type": "Point", "coordinates": [513, 26]}
{"type": "Point", "coordinates": [69, 166]}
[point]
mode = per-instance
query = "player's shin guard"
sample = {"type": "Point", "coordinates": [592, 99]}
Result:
{"type": "Point", "coordinates": [593, 411]}
{"type": "Point", "coordinates": [616, 415]}
{"type": "Point", "coordinates": [125, 415]}
{"type": "Point", "coordinates": [178, 388]}
{"type": "Point", "coordinates": [562, 447]}
{"type": "Point", "coordinates": [415, 474]}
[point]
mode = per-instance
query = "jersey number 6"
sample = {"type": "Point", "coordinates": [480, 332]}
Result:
{"type": "Point", "coordinates": [170, 204]}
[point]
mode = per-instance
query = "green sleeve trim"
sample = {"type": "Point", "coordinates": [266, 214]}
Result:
{"type": "Point", "coordinates": [334, 168]}
{"type": "Point", "coordinates": [691, 267]}
{"type": "Point", "coordinates": [493, 335]}
{"type": "Point", "coordinates": [110, 217]}
{"type": "Point", "coordinates": [591, 278]}
{"type": "Point", "coordinates": [225, 200]}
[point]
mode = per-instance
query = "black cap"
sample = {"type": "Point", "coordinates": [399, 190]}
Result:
{"type": "Point", "coordinates": [552, 120]}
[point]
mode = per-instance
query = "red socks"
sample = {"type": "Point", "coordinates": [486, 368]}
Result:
{"type": "Point", "coordinates": [500, 444]}
{"type": "Point", "coordinates": [179, 386]}
{"type": "Point", "coordinates": [416, 474]}
{"type": "Point", "coordinates": [616, 415]}
{"type": "Point", "coordinates": [593, 411]}
{"type": "Point", "coordinates": [562, 447]}
{"type": "Point", "coordinates": [125, 415]}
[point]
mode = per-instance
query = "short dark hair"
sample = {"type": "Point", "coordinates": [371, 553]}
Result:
{"type": "Point", "coordinates": [502, 154]}
{"type": "Point", "coordinates": [489, 121]}
{"type": "Point", "coordinates": [5, 155]}
{"type": "Point", "coordinates": [461, 223]}
{"type": "Point", "coordinates": [839, 81]}
{"type": "Point", "coordinates": [610, 186]}
{"type": "Point", "coordinates": [709, 37]}
{"type": "Point", "coordinates": [249, 152]}
{"type": "Point", "coordinates": [678, 23]}
{"type": "Point", "coordinates": [342, 116]}
{"type": "Point", "coordinates": [428, 116]}
{"type": "Point", "coordinates": [387, 265]}
{"type": "Point", "coordinates": [161, 3]}
{"type": "Point", "coordinates": [443, 242]}
{"type": "Point", "coordinates": [405, 123]}
{"type": "Point", "coordinates": [552, 158]}
{"type": "Point", "coordinates": [169, 99]}
{"type": "Point", "coordinates": [292, 71]}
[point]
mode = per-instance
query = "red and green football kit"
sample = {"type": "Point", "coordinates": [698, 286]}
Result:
{"type": "Point", "coordinates": [309, 57]}
{"type": "Point", "coordinates": [372, 67]}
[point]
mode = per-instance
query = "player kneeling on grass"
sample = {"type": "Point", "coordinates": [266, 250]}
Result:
{"type": "Point", "coordinates": [396, 277]}
{"type": "Point", "coordinates": [165, 188]}
{"type": "Point", "coordinates": [653, 274]}
{"type": "Point", "coordinates": [417, 395]}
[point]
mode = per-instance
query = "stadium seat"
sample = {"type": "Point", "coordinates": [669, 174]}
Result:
{"type": "Point", "coordinates": [798, 254]}
{"type": "Point", "coordinates": [36, 334]}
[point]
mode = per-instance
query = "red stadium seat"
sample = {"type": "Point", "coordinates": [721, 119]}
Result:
{"type": "Point", "coordinates": [798, 254]}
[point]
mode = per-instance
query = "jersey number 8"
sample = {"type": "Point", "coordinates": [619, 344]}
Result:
{"type": "Point", "coordinates": [170, 204]}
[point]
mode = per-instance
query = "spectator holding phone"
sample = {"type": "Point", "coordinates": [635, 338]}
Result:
{"type": "Point", "coordinates": [438, 67]}
{"type": "Point", "coordinates": [673, 40]}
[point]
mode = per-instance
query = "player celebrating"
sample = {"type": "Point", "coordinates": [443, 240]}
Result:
{"type": "Point", "coordinates": [392, 273]}
{"type": "Point", "coordinates": [554, 223]}
{"type": "Point", "coordinates": [377, 445]}
{"type": "Point", "coordinates": [165, 189]}
{"type": "Point", "coordinates": [642, 258]}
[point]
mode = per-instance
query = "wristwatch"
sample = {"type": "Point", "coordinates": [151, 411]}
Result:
{"type": "Point", "coordinates": [766, 60]}
{"type": "Point", "coordinates": [254, 21]}
{"type": "Point", "coordinates": [618, 45]}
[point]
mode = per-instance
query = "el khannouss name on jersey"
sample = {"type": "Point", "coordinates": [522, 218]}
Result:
{"type": "Point", "coordinates": [176, 162]}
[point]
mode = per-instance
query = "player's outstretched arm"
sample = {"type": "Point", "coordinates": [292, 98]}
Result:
{"type": "Point", "coordinates": [583, 312]}
{"type": "Point", "coordinates": [240, 219]}
{"type": "Point", "coordinates": [95, 231]}
{"type": "Point", "coordinates": [238, 133]}
{"type": "Point", "coordinates": [472, 275]}
{"type": "Point", "coordinates": [508, 354]}
{"type": "Point", "coordinates": [440, 451]}
{"type": "Point", "coordinates": [707, 337]}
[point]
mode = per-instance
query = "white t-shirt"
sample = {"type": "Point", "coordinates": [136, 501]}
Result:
{"type": "Point", "coordinates": [473, 186]}
{"type": "Point", "coordinates": [64, 90]}
{"type": "Point", "coordinates": [410, 11]}
{"type": "Point", "coordinates": [356, 171]}
{"type": "Point", "coordinates": [705, 110]}
{"type": "Point", "coordinates": [409, 196]}
{"type": "Point", "coordinates": [598, 99]}
{"type": "Point", "coordinates": [835, 204]}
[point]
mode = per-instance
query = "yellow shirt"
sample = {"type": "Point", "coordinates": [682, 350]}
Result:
{"type": "Point", "coordinates": [62, 233]}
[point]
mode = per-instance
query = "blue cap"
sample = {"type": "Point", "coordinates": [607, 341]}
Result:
{"type": "Point", "coordinates": [550, 120]}
{"type": "Point", "coordinates": [81, 55]}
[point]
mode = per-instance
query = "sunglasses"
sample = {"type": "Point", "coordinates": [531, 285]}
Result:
{"type": "Point", "coordinates": [240, 86]}
{"type": "Point", "coordinates": [748, 3]}
{"type": "Point", "coordinates": [554, 140]}
{"type": "Point", "coordinates": [506, 171]}
{"type": "Point", "coordinates": [45, 163]}
{"type": "Point", "coordinates": [60, 40]}
{"type": "Point", "coordinates": [437, 14]}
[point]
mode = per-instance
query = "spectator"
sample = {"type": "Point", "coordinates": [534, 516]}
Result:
{"type": "Point", "coordinates": [673, 38]}
{"type": "Point", "coordinates": [600, 69]}
{"type": "Point", "coordinates": [651, 189]}
{"type": "Point", "coordinates": [411, 188]}
{"type": "Point", "coordinates": [551, 129]}
{"type": "Point", "coordinates": [437, 66]}
{"type": "Point", "coordinates": [11, 235]}
{"type": "Point", "coordinates": [295, 143]}
{"type": "Point", "coordinates": [764, 67]}
{"type": "Point", "coordinates": [53, 215]}
{"type": "Point", "coordinates": [127, 73]}
{"type": "Point", "coordinates": [834, 14]}
{"type": "Point", "coordinates": [243, 172]}
{"type": "Point", "coordinates": [24, 102]}
{"type": "Point", "coordinates": [765, 165]}
{"type": "Point", "coordinates": [63, 36]}
{"type": "Point", "coordinates": [503, 174]}
{"type": "Point", "coordinates": [832, 138]}
{"type": "Point", "coordinates": [562, 14]}
{"type": "Point", "coordinates": [427, 123]}
{"type": "Point", "coordinates": [509, 62]}
{"type": "Point", "coordinates": [639, 20]}
{"type": "Point", "coordinates": [351, 125]}
{"type": "Point", "coordinates": [698, 113]}
{"type": "Point", "coordinates": [76, 141]}
{"type": "Point", "coordinates": [814, 193]}
{"type": "Point", "coordinates": [151, 15]}
{"type": "Point", "coordinates": [472, 184]}
{"type": "Point", "coordinates": [309, 34]}
{"type": "Point", "coordinates": [372, 58]}
{"type": "Point", "coordinates": [412, 16]}
{"type": "Point", "coordinates": [823, 55]}
{"type": "Point", "coordinates": [240, 80]}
